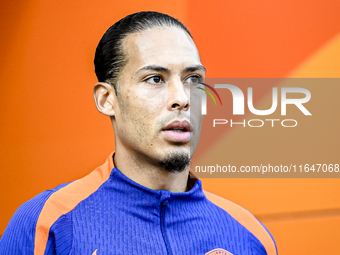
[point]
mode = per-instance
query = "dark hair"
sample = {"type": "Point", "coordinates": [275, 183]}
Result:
{"type": "Point", "coordinates": [110, 58]}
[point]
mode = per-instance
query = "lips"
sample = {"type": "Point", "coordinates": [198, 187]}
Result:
{"type": "Point", "coordinates": [177, 131]}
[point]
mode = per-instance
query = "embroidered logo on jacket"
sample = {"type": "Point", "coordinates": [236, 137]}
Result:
{"type": "Point", "coordinates": [218, 251]}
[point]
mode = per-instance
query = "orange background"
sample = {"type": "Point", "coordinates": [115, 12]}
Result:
{"type": "Point", "coordinates": [51, 132]}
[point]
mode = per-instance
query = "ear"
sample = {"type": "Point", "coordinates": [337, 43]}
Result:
{"type": "Point", "coordinates": [104, 96]}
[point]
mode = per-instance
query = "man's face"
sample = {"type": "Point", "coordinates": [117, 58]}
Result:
{"type": "Point", "coordinates": [154, 116]}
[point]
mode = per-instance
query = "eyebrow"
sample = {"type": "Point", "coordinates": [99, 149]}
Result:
{"type": "Point", "coordinates": [166, 70]}
{"type": "Point", "coordinates": [194, 68]}
{"type": "Point", "coordinates": [154, 68]}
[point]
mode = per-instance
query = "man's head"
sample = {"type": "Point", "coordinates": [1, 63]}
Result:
{"type": "Point", "coordinates": [146, 65]}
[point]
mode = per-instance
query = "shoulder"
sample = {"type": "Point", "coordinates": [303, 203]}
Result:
{"type": "Point", "coordinates": [18, 237]}
{"type": "Point", "coordinates": [247, 220]}
{"type": "Point", "coordinates": [29, 231]}
{"type": "Point", "coordinates": [53, 215]}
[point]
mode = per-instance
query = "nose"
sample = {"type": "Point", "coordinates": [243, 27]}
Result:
{"type": "Point", "coordinates": [178, 96]}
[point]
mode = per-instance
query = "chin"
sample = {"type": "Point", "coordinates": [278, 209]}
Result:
{"type": "Point", "coordinates": [175, 161]}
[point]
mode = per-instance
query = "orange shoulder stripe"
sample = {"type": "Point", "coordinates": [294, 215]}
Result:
{"type": "Point", "coordinates": [246, 219]}
{"type": "Point", "coordinates": [66, 199]}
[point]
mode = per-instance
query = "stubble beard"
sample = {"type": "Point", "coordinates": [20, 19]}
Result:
{"type": "Point", "coordinates": [175, 162]}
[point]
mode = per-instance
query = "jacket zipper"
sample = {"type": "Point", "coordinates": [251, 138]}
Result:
{"type": "Point", "coordinates": [165, 237]}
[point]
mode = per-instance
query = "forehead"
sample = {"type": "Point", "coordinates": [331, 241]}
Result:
{"type": "Point", "coordinates": [166, 46]}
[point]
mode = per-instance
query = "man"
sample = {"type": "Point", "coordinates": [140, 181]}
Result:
{"type": "Point", "coordinates": [142, 200]}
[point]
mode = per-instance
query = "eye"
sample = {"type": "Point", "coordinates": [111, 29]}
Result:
{"type": "Point", "coordinates": [157, 79]}
{"type": "Point", "coordinates": [194, 79]}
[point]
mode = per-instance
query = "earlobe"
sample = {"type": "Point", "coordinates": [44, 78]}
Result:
{"type": "Point", "coordinates": [104, 97]}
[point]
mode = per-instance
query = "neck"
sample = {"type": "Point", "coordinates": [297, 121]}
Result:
{"type": "Point", "coordinates": [140, 170]}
